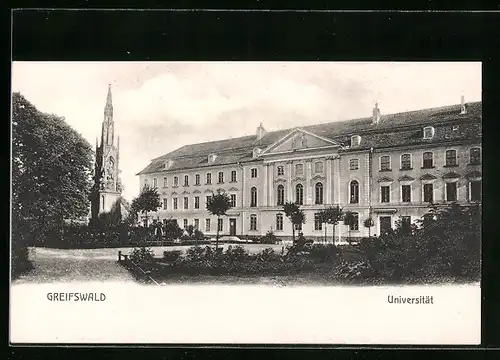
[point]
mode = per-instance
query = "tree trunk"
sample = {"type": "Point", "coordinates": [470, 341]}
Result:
{"type": "Point", "coordinates": [217, 236]}
{"type": "Point", "coordinates": [293, 234]}
{"type": "Point", "coordinates": [333, 231]}
{"type": "Point", "coordinates": [325, 233]}
{"type": "Point", "coordinates": [369, 232]}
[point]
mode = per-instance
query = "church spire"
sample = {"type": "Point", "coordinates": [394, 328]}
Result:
{"type": "Point", "coordinates": [108, 109]}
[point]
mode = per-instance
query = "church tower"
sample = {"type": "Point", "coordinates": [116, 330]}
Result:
{"type": "Point", "coordinates": [107, 187]}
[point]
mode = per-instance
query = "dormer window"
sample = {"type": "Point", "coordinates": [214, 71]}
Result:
{"type": "Point", "coordinates": [212, 157]}
{"type": "Point", "coordinates": [428, 132]}
{"type": "Point", "coordinates": [256, 152]}
{"type": "Point", "coordinates": [168, 164]}
{"type": "Point", "coordinates": [355, 140]}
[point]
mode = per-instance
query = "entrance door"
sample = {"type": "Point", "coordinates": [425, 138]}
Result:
{"type": "Point", "coordinates": [385, 224]}
{"type": "Point", "coordinates": [232, 227]}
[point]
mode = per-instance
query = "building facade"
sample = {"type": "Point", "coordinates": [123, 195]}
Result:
{"type": "Point", "coordinates": [386, 167]}
{"type": "Point", "coordinates": [107, 186]}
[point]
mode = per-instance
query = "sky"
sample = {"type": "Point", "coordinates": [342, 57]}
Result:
{"type": "Point", "coordinates": [161, 106]}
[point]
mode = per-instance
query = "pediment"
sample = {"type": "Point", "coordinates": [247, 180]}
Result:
{"type": "Point", "coordinates": [208, 191]}
{"type": "Point", "coordinates": [196, 191]}
{"type": "Point", "coordinates": [474, 174]}
{"type": "Point", "coordinates": [297, 140]}
{"type": "Point", "coordinates": [280, 180]}
{"type": "Point", "coordinates": [174, 193]}
{"type": "Point", "coordinates": [451, 175]}
{"type": "Point", "coordinates": [299, 178]}
{"type": "Point", "coordinates": [406, 178]}
{"type": "Point", "coordinates": [233, 189]}
{"type": "Point", "coordinates": [385, 179]}
{"type": "Point", "coordinates": [185, 192]}
{"type": "Point", "coordinates": [428, 177]}
{"type": "Point", "coordinates": [318, 177]}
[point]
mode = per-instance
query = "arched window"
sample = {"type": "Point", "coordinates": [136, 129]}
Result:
{"type": "Point", "coordinates": [354, 192]}
{"type": "Point", "coordinates": [197, 179]}
{"type": "Point", "coordinates": [319, 193]}
{"type": "Point", "coordinates": [221, 177]}
{"type": "Point", "coordinates": [299, 194]}
{"type": "Point", "coordinates": [281, 194]}
{"type": "Point", "coordinates": [186, 180]}
{"type": "Point", "coordinates": [253, 197]}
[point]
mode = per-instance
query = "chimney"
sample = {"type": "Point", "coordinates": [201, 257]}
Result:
{"type": "Point", "coordinates": [376, 114]}
{"type": "Point", "coordinates": [260, 132]}
{"type": "Point", "coordinates": [463, 110]}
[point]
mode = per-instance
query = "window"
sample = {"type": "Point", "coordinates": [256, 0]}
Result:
{"type": "Point", "coordinates": [211, 158]}
{"type": "Point", "coordinates": [318, 167]}
{"type": "Point", "coordinates": [253, 222]}
{"type": "Point", "coordinates": [165, 182]}
{"type": "Point", "coordinates": [146, 182]}
{"type": "Point", "coordinates": [354, 192]}
{"type": "Point", "coordinates": [176, 181]}
{"type": "Point", "coordinates": [427, 160]}
{"type": "Point", "coordinates": [196, 202]}
{"type": "Point", "coordinates": [209, 179]}
{"type": "Point", "coordinates": [197, 224]}
{"type": "Point", "coordinates": [475, 191]}
{"type": "Point", "coordinates": [185, 223]}
{"type": "Point", "coordinates": [233, 176]}
{"type": "Point", "coordinates": [355, 224]}
{"type": "Point", "coordinates": [281, 170]}
{"type": "Point", "coordinates": [428, 132]}
{"type": "Point", "coordinates": [186, 203]}
{"type": "Point", "coordinates": [281, 195]}
{"type": "Point", "coordinates": [298, 227]}
{"type": "Point", "coordinates": [197, 179]}
{"type": "Point", "coordinates": [233, 200]}
{"type": "Point", "coordinates": [406, 220]}
{"type": "Point", "coordinates": [253, 197]}
{"type": "Point", "coordinates": [428, 193]}
{"type": "Point", "coordinates": [385, 163]}
{"type": "Point", "coordinates": [318, 225]}
{"type": "Point", "coordinates": [279, 222]}
{"type": "Point", "coordinates": [220, 224]}
{"type": "Point", "coordinates": [385, 194]}
{"type": "Point", "coordinates": [165, 202]}
{"type": "Point", "coordinates": [299, 194]}
{"type": "Point", "coordinates": [299, 169]}
{"type": "Point", "coordinates": [207, 199]}
{"type": "Point", "coordinates": [319, 193]}
{"type": "Point", "coordinates": [451, 191]}
{"type": "Point", "coordinates": [253, 173]}
{"type": "Point", "coordinates": [186, 180]}
{"type": "Point", "coordinates": [355, 140]}
{"type": "Point", "coordinates": [207, 224]}
{"type": "Point", "coordinates": [475, 156]}
{"type": "Point", "coordinates": [406, 193]}
{"type": "Point", "coordinates": [451, 158]}
{"type": "Point", "coordinates": [221, 177]}
{"type": "Point", "coordinates": [406, 162]}
{"type": "Point", "coordinates": [175, 203]}
{"type": "Point", "coordinates": [155, 182]}
{"type": "Point", "coordinates": [353, 164]}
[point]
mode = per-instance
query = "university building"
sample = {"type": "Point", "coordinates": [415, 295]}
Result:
{"type": "Point", "coordinates": [386, 167]}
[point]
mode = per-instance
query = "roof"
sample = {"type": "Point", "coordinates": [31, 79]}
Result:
{"type": "Point", "coordinates": [391, 130]}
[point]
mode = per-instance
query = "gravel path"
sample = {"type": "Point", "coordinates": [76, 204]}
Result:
{"type": "Point", "coordinates": [57, 265]}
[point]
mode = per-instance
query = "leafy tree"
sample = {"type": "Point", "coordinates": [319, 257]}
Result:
{"type": "Point", "coordinates": [172, 230]}
{"type": "Point", "coordinates": [218, 204]}
{"type": "Point", "coordinates": [368, 223]}
{"type": "Point", "coordinates": [148, 200]}
{"type": "Point", "coordinates": [295, 215]}
{"type": "Point", "coordinates": [51, 172]}
{"type": "Point", "coordinates": [333, 214]}
{"type": "Point", "coordinates": [323, 219]}
{"type": "Point", "coordinates": [349, 220]}
{"type": "Point", "coordinates": [190, 230]}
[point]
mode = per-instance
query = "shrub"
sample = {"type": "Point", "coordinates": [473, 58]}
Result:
{"type": "Point", "coordinates": [269, 238]}
{"type": "Point", "coordinates": [142, 255]}
{"type": "Point", "coordinates": [237, 253]}
{"type": "Point", "coordinates": [268, 255]}
{"type": "Point", "coordinates": [323, 253]}
{"type": "Point", "coordinates": [195, 253]}
{"type": "Point", "coordinates": [185, 237]}
{"type": "Point", "coordinates": [172, 255]}
{"type": "Point", "coordinates": [198, 235]}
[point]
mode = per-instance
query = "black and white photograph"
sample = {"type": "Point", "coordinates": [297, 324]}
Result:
{"type": "Point", "coordinates": [246, 202]}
